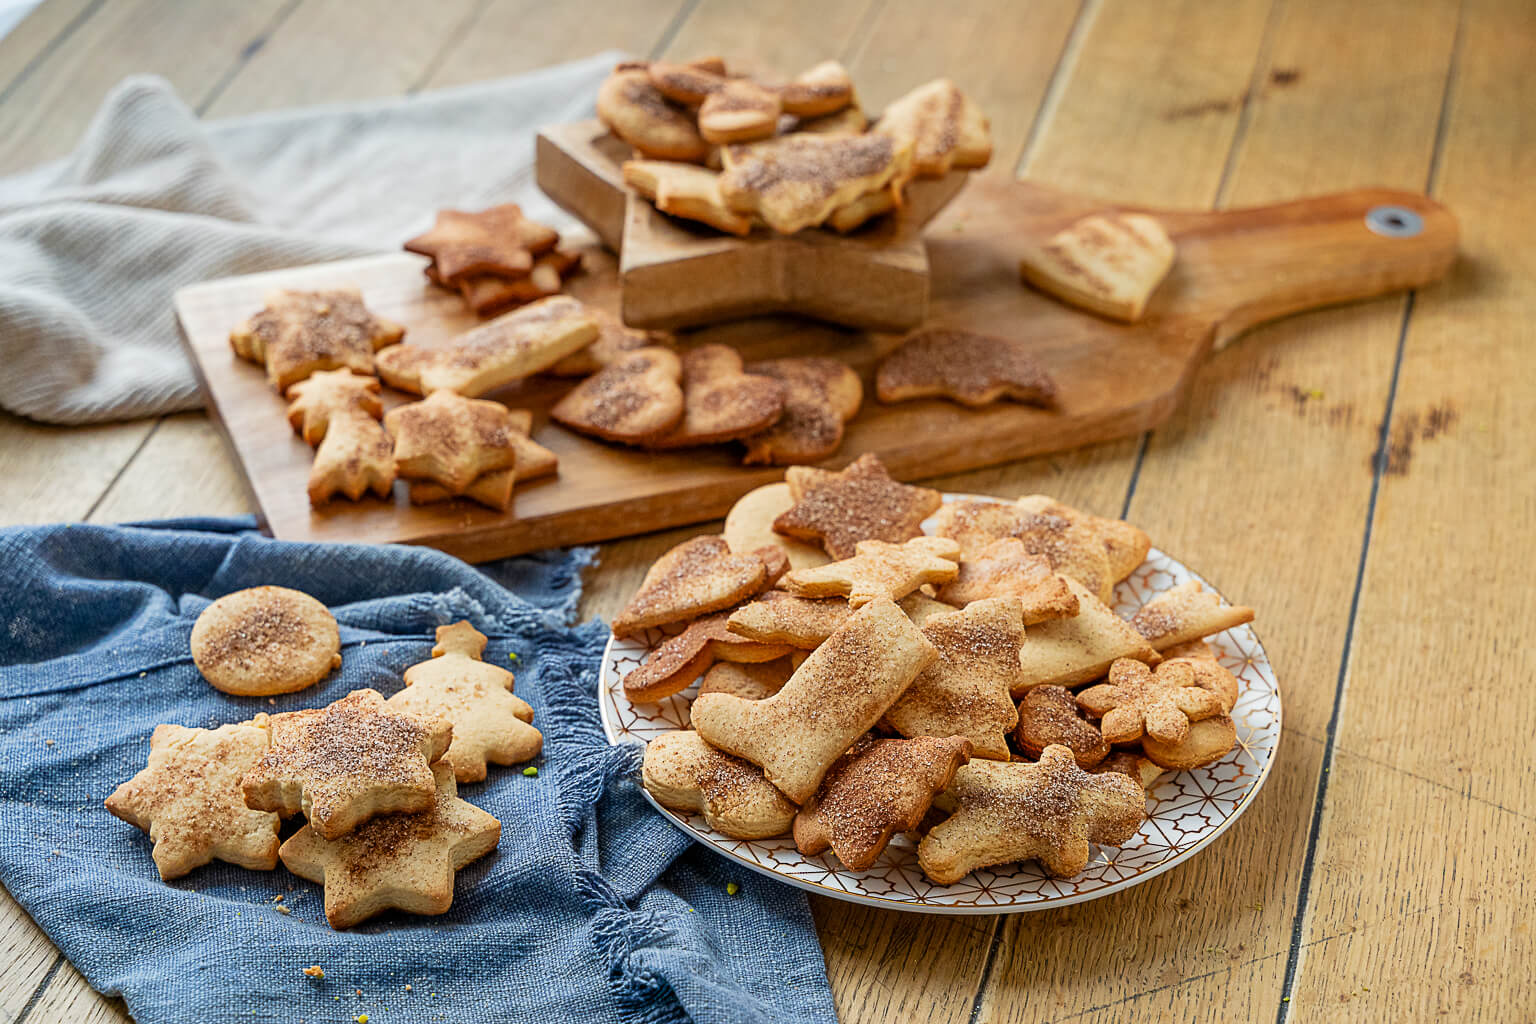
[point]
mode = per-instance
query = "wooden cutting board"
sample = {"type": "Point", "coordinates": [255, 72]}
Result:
{"type": "Point", "coordinates": [1235, 269]}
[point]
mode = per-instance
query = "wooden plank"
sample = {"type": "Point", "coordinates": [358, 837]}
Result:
{"type": "Point", "coordinates": [798, 34]}
{"type": "Point", "coordinates": [47, 26]}
{"type": "Point", "coordinates": [55, 473]}
{"type": "Point", "coordinates": [190, 474]}
{"type": "Point", "coordinates": [1205, 497]}
{"type": "Point", "coordinates": [1430, 733]}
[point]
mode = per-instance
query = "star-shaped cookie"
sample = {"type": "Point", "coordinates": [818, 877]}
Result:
{"type": "Point", "coordinates": [495, 241]}
{"type": "Point", "coordinates": [1072, 547]}
{"type": "Point", "coordinates": [973, 369]}
{"type": "Point", "coordinates": [859, 502]}
{"type": "Point", "coordinates": [1138, 702]}
{"type": "Point", "coordinates": [1008, 811]}
{"type": "Point", "coordinates": [966, 692]}
{"type": "Point", "coordinates": [489, 723]}
{"type": "Point", "coordinates": [1005, 569]}
{"type": "Point", "coordinates": [188, 799]}
{"type": "Point", "coordinates": [877, 570]}
{"type": "Point", "coordinates": [451, 439]}
{"type": "Point", "coordinates": [299, 333]}
{"type": "Point", "coordinates": [396, 862]}
{"type": "Point", "coordinates": [347, 762]}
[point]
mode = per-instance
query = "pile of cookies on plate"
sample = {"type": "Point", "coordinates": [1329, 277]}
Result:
{"type": "Point", "coordinates": [736, 152]}
{"type": "Point", "coordinates": [862, 678]}
{"type": "Point", "coordinates": [375, 779]}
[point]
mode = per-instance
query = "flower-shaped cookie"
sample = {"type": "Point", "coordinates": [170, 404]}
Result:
{"type": "Point", "coordinates": [1137, 702]}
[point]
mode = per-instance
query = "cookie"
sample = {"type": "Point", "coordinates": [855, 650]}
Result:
{"type": "Point", "coordinates": [747, 680]}
{"type": "Point", "coordinates": [634, 399]}
{"type": "Point", "coordinates": [338, 412]}
{"type": "Point", "coordinates": [1209, 673]}
{"type": "Point", "coordinates": [877, 789]}
{"type": "Point", "coordinates": [1069, 652]}
{"type": "Point", "coordinates": [818, 91]}
{"type": "Point", "coordinates": [740, 110]}
{"type": "Point", "coordinates": [1109, 264]}
{"type": "Point", "coordinates": [1135, 766]}
{"type": "Point", "coordinates": [943, 128]}
{"type": "Point", "coordinates": [860, 502]}
{"type": "Point", "coordinates": [820, 396]}
{"type": "Point", "coordinates": [796, 181]}
{"type": "Point", "coordinates": [780, 618]}
{"type": "Point", "coordinates": [613, 341]}
{"type": "Point", "coordinates": [878, 570]}
{"type": "Point", "coordinates": [1071, 546]}
{"type": "Point", "coordinates": [298, 333]}
{"type": "Point", "coordinates": [489, 723]}
{"type": "Point", "coordinates": [966, 691]}
{"type": "Point", "coordinates": [920, 607]}
{"type": "Point", "coordinates": [696, 577]}
{"type": "Point", "coordinates": [972, 369]}
{"type": "Point", "coordinates": [851, 120]}
{"type": "Point", "coordinates": [833, 698]}
{"type": "Point", "coordinates": [749, 525]}
{"type": "Point", "coordinates": [347, 762]}
{"type": "Point", "coordinates": [1005, 569]}
{"type": "Point", "coordinates": [265, 640]}
{"type": "Point", "coordinates": [1185, 613]}
{"type": "Point", "coordinates": [531, 461]}
{"type": "Point", "coordinates": [1137, 702]}
{"type": "Point", "coordinates": [1047, 811]}
{"type": "Point", "coordinates": [679, 660]}
{"type": "Point", "coordinates": [399, 366]}
{"type": "Point", "coordinates": [396, 862]}
{"type": "Point", "coordinates": [492, 294]}
{"type": "Point", "coordinates": [687, 191]}
{"type": "Point", "coordinates": [499, 241]}
{"type": "Point", "coordinates": [1047, 715]}
{"type": "Point", "coordinates": [451, 440]}
{"type": "Point", "coordinates": [636, 112]}
{"type": "Point", "coordinates": [188, 799]}
{"type": "Point", "coordinates": [513, 346]}
{"type": "Point", "coordinates": [1125, 545]}
{"type": "Point", "coordinates": [1208, 741]}
{"type": "Point", "coordinates": [852, 215]}
{"type": "Point", "coordinates": [720, 401]}
{"type": "Point", "coordinates": [688, 84]}
{"type": "Point", "coordinates": [686, 774]}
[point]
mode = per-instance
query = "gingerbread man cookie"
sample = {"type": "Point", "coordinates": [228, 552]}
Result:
{"type": "Point", "coordinates": [1137, 702]}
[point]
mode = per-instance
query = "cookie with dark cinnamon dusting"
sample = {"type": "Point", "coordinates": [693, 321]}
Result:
{"type": "Point", "coordinates": [1185, 613]}
{"type": "Point", "coordinates": [1047, 715]}
{"type": "Point", "coordinates": [720, 401]}
{"type": "Point", "coordinates": [973, 369]}
{"type": "Point", "coordinates": [636, 111]}
{"type": "Point", "coordinates": [697, 577]}
{"type": "Point", "coordinates": [681, 659]}
{"type": "Point", "coordinates": [859, 502]}
{"type": "Point", "coordinates": [265, 640]}
{"type": "Point", "coordinates": [820, 396]}
{"type": "Point", "coordinates": [451, 440]}
{"type": "Point", "coordinates": [1005, 569]}
{"type": "Point", "coordinates": [636, 399]}
{"type": "Point", "coordinates": [298, 333]}
{"type": "Point", "coordinates": [499, 241]}
{"type": "Point", "coordinates": [686, 774]}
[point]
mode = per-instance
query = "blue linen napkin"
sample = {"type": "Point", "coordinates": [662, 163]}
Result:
{"type": "Point", "coordinates": [592, 908]}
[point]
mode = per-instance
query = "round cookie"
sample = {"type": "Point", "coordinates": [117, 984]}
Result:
{"type": "Point", "coordinates": [749, 526]}
{"type": "Point", "coordinates": [636, 112]}
{"type": "Point", "coordinates": [1207, 742]}
{"type": "Point", "coordinates": [265, 640]}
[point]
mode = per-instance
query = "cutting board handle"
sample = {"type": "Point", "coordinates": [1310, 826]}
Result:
{"type": "Point", "coordinates": [1289, 257]}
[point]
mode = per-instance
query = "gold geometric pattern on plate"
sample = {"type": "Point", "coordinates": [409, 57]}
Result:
{"type": "Point", "coordinates": [1186, 810]}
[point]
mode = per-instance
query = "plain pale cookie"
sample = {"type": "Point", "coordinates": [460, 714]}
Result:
{"type": "Point", "coordinates": [749, 526]}
{"type": "Point", "coordinates": [835, 696]}
{"type": "Point", "coordinates": [1137, 702]}
{"type": "Point", "coordinates": [686, 774]}
{"type": "Point", "coordinates": [1048, 811]}
{"type": "Point", "coordinates": [747, 680]}
{"type": "Point", "coordinates": [720, 402]}
{"type": "Point", "coordinates": [877, 789]}
{"type": "Point", "coordinates": [696, 577]}
{"type": "Point", "coordinates": [298, 333]}
{"type": "Point", "coordinates": [860, 502]}
{"type": "Point", "coordinates": [852, 215]}
{"type": "Point", "coordinates": [188, 799]}
{"type": "Point", "coordinates": [489, 723]}
{"type": "Point", "coordinates": [451, 439]}
{"type": "Point", "coordinates": [681, 659]}
{"type": "Point", "coordinates": [513, 346]}
{"type": "Point", "coordinates": [636, 112]}
{"type": "Point", "coordinates": [973, 369]}
{"type": "Point", "coordinates": [265, 640]}
{"type": "Point", "coordinates": [966, 692]}
{"type": "Point", "coordinates": [1005, 569]}
{"type": "Point", "coordinates": [740, 110]}
{"type": "Point", "coordinates": [1048, 714]}
{"type": "Point", "coordinates": [398, 862]}
{"type": "Point", "coordinates": [820, 396]}
{"type": "Point", "coordinates": [796, 181]}
{"type": "Point", "coordinates": [347, 762]}
{"type": "Point", "coordinates": [943, 127]}
{"type": "Point", "coordinates": [1208, 741]}
{"type": "Point", "coordinates": [1109, 264]}
{"type": "Point", "coordinates": [687, 191]}
{"type": "Point", "coordinates": [635, 399]}
{"type": "Point", "coordinates": [879, 570]}
{"type": "Point", "coordinates": [780, 618]}
{"type": "Point", "coordinates": [1069, 652]}
{"type": "Point", "coordinates": [499, 240]}
{"type": "Point", "coordinates": [338, 412]}
{"type": "Point", "coordinates": [1187, 612]}
{"type": "Point", "coordinates": [818, 91]}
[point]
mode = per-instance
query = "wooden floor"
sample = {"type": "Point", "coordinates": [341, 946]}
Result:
{"type": "Point", "coordinates": [1365, 477]}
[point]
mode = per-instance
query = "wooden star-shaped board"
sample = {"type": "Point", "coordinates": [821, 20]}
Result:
{"type": "Point", "coordinates": [347, 762]}
{"type": "Point", "coordinates": [489, 722]}
{"type": "Point", "coordinates": [859, 502]}
{"type": "Point", "coordinates": [396, 862]}
{"type": "Point", "coordinates": [300, 332]}
{"type": "Point", "coordinates": [188, 799]}
{"type": "Point", "coordinates": [878, 570]}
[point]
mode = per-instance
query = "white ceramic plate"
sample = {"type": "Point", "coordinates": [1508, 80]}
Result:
{"type": "Point", "coordinates": [1186, 810]}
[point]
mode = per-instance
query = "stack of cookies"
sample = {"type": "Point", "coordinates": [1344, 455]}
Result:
{"type": "Point", "coordinates": [861, 678]}
{"type": "Point", "coordinates": [375, 779]}
{"type": "Point", "coordinates": [736, 152]}
{"type": "Point", "coordinates": [497, 259]}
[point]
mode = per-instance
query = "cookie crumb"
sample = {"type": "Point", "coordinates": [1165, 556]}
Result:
{"type": "Point", "coordinates": [283, 910]}
{"type": "Point", "coordinates": [407, 988]}
{"type": "Point", "coordinates": [47, 743]}
{"type": "Point", "coordinates": [315, 971]}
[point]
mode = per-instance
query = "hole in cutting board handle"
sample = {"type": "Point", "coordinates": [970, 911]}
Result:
{"type": "Point", "coordinates": [1394, 221]}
